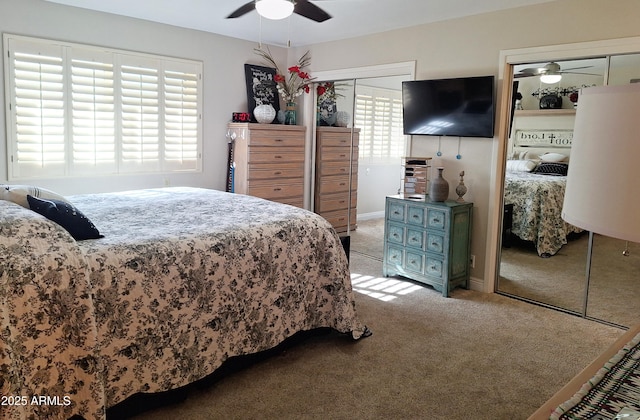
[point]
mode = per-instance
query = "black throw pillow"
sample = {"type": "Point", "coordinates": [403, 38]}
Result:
{"type": "Point", "coordinates": [67, 216]}
{"type": "Point", "coordinates": [552, 168]}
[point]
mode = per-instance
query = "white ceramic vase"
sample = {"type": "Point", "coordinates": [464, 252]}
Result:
{"type": "Point", "coordinates": [264, 113]}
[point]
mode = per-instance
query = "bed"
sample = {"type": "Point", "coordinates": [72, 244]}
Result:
{"type": "Point", "coordinates": [182, 280]}
{"type": "Point", "coordinates": [609, 388]}
{"type": "Point", "coordinates": [537, 199]}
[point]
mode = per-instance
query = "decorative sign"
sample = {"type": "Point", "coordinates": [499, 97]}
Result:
{"type": "Point", "coordinates": [543, 138]}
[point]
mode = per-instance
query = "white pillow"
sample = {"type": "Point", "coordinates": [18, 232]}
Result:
{"type": "Point", "coordinates": [18, 194]}
{"type": "Point", "coordinates": [526, 155]}
{"type": "Point", "coordinates": [520, 165]}
{"type": "Point", "coordinates": [553, 157]}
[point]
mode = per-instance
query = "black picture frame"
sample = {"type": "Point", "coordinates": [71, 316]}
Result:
{"type": "Point", "coordinates": [261, 87]}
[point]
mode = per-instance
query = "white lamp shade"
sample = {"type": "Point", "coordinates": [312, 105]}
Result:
{"type": "Point", "coordinates": [274, 9]}
{"type": "Point", "coordinates": [603, 189]}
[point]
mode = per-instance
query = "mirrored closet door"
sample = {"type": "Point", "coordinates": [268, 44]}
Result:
{"type": "Point", "coordinates": [542, 258]}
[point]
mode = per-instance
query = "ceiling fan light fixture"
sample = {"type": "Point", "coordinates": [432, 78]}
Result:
{"type": "Point", "coordinates": [274, 9]}
{"type": "Point", "coordinates": [550, 78]}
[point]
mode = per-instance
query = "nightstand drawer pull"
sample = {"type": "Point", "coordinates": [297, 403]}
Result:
{"type": "Point", "coordinates": [277, 157]}
{"type": "Point", "coordinates": [277, 173]}
{"type": "Point", "coordinates": [277, 189]}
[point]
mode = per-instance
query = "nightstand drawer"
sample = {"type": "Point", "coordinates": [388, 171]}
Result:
{"type": "Point", "coordinates": [415, 215]}
{"type": "Point", "coordinates": [414, 261]}
{"type": "Point", "coordinates": [395, 211]}
{"type": "Point", "coordinates": [415, 237]}
{"type": "Point", "coordinates": [435, 242]}
{"type": "Point", "coordinates": [436, 218]}
{"type": "Point", "coordinates": [339, 201]}
{"type": "Point", "coordinates": [337, 168]}
{"type": "Point", "coordinates": [394, 256]}
{"type": "Point", "coordinates": [434, 267]}
{"type": "Point", "coordinates": [394, 233]}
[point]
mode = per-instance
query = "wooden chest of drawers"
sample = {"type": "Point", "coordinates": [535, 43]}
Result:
{"type": "Point", "coordinates": [335, 197]}
{"type": "Point", "coordinates": [428, 241]}
{"type": "Point", "coordinates": [269, 161]}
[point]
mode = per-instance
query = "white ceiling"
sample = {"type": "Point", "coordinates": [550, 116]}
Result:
{"type": "Point", "coordinates": [350, 18]}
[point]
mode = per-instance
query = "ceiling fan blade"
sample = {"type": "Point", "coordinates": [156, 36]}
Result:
{"type": "Point", "coordinates": [532, 71]}
{"type": "Point", "coordinates": [577, 72]}
{"type": "Point", "coordinates": [310, 11]}
{"type": "Point", "coordinates": [575, 68]}
{"type": "Point", "coordinates": [243, 10]}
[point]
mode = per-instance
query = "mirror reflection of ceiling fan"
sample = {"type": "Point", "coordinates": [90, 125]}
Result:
{"type": "Point", "coordinates": [279, 9]}
{"type": "Point", "coordinates": [550, 72]}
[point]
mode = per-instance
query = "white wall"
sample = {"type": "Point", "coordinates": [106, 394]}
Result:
{"type": "Point", "coordinates": [460, 47]}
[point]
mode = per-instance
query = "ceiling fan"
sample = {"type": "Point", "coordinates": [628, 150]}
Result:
{"type": "Point", "coordinates": [301, 7]}
{"type": "Point", "coordinates": [550, 72]}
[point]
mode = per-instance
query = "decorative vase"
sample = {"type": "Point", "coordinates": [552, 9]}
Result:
{"type": "Point", "coordinates": [342, 119]}
{"type": "Point", "coordinates": [461, 189]}
{"type": "Point", "coordinates": [264, 113]}
{"type": "Point", "coordinates": [280, 116]}
{"type": "Point", "coordinates": [290, 113]}
{"type": "Point", "coordinates": [439, 188]}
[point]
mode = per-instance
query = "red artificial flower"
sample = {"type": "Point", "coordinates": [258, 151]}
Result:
{"type": "Point", "coordinates": [279, 78]}
{"type": "Point", "coordinates": [303, 75]}
{"type": "Point", "coordinates": [294, 69]}
{"type": "Point", "coordinates": [321, 90]}
{"type": "Point", "coordinates": [306, 89]}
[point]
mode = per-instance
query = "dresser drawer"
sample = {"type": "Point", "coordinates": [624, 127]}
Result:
{"type": "Point", "coordinates": [395, 211]}
{"type": "Point", "coordinates": [273, 155]}
{"type": "Point", "coordinates": [276, 171]}
{"type": "Point", "coordinates": [334, 184]}
{"type": "Point", "coordinates": [394, 256]}
{"type": "Point", "coordinates": [276, 139]}
{"type": "Point", "coordinates": [337, 168]}
{"type": "Point", "coordinates": [339, 154]}
{"type": "Point", "coordinates": [339, 219]}
{"type": "Point", "coordinates": [414, 261]}
{"type": "Point", "coordinates": [339, 201]}
{"type": "Point", "coordinates": [415, 238]}
{"type": "Point", "coordinates": [270, 189]}
{"type": "Point", "coordinates": [336, 140]}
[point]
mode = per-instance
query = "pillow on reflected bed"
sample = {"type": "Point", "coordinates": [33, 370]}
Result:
{"type": "Point", "coordinates": [67, 216]}
{"type": "Point", "coordinates": [520, 165]}
{"type": "Point", "coordinates": [552, 168]}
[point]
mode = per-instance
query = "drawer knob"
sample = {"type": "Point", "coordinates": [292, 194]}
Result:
{"type": "Point", "coordinates": [415, 216]}
{"type": "Point", "coordinates": [277, 173]}
{"type": "Point", "coordinates": [277, 157]}
{"type": "Point", "coordinates": [277, 189]}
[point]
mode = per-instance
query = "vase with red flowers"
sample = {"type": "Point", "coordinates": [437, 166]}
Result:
{"type": "Point", "coordinates": [291, 84]}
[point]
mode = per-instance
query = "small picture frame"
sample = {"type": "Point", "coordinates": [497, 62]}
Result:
{"type": "Point", "coordinates": [261, 87]}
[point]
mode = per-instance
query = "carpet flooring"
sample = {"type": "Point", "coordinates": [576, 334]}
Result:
{"type": "Point", "coordinates": [473, 355]}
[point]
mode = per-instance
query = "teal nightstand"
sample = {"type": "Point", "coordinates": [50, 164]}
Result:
{"type": "Point", "coordinates": [428, 241]}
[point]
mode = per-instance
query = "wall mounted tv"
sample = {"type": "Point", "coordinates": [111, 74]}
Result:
{"type": "Point", "coordinates": [462, 107]}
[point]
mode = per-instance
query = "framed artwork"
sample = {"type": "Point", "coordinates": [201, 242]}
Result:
{"type": "Point", "coordinates": [543, 138]}
{"type": "Point", "coordinates": [261, 87]}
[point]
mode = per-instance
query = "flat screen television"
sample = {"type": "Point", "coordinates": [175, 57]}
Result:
{"type": "Point", "coordinates": [462, 107]}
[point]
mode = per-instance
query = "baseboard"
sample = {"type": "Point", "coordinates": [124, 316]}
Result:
{"type": "Point", "coordinates": [476, 284]}
{"type": "Point", "coordinates": [372, 215]}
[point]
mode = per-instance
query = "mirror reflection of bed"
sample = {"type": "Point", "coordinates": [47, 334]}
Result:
{"type": "Point", "coordinates": [544, 259]}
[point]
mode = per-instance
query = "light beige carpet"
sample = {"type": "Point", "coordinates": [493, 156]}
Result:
{"type": "Point", "coordinates": [473, 355]}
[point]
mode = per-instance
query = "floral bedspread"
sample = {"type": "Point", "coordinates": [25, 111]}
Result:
{"type": "Point", "coordinates": [537, 208]}
{"type": "Point", "coordinates": [182, 280]}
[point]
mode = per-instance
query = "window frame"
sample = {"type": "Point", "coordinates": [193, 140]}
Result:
{"type": "Point", "coordinates": [178, 135]}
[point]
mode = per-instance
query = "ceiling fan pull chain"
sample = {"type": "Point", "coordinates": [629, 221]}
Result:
{"type": "Point", "coordinates": [459, 156]}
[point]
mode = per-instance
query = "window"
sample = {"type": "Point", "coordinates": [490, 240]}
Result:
{"type": "Point", "coordinates": [74, 110]}
{"type": "Point", "coordinates": [378, 114]}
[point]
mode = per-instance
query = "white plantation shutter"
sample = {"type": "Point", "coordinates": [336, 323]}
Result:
{"type": "Point", "coordinates": [378, 114]}
{"type": "Point", "coordinates": [38, 111]}
{"type": "Point", "coordinates": [181, 118]}
{"type": "Point", "coordinates": [93, 113]}
{"type": "Point", "coordinates": [76, 110]}
{"type": "Point", "coordinates": [140, 116]}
